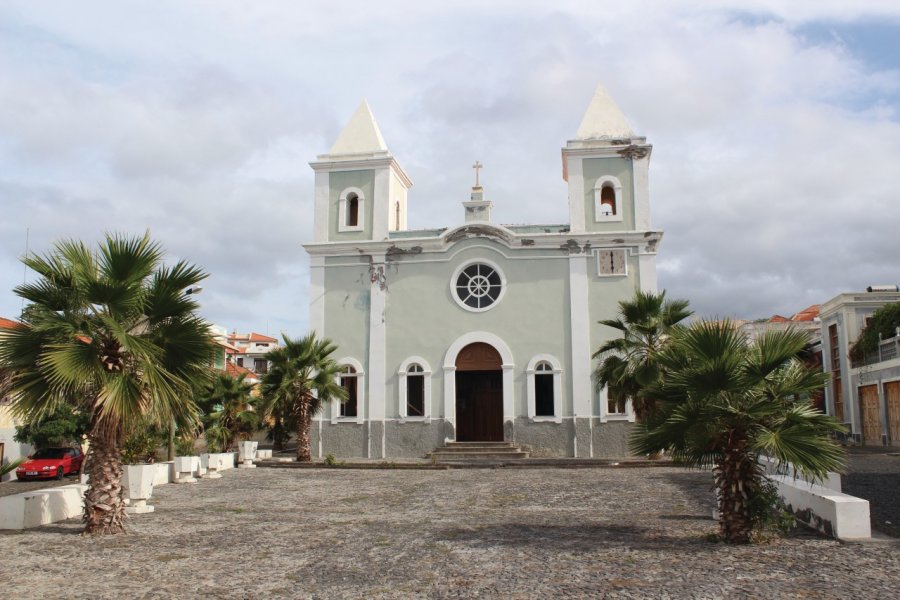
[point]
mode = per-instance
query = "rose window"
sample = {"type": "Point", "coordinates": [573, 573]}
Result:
{"type": "Point", "coordinates": [478, 286]}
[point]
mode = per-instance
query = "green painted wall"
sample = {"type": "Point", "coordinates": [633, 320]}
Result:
{"type": "Point", "coordinates": [605, 294]}
{"type": "Point", "coordinates": [620, 168]}
{"type": "Point", "coordinates": [423, 318]}
{"type": "Point", "coordinates": [347, 312]}
{"type": "Point", "coordinates": [338, 182]}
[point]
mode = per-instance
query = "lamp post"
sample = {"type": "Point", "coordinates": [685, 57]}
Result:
{"type": "Point", "coordinates": [170, 455]}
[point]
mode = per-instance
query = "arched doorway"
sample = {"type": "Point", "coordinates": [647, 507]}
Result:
{"type": "Point", "coordinates": [479, 394]}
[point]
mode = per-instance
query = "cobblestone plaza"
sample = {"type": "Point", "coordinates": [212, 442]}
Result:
{"type": "Point", "coordinates": [514, 533]}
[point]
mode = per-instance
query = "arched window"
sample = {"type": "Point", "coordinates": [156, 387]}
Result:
{"type": "Point", "coordinates": [544, 387]}
{"type": "Point", "coordinates": [349, 380]}
{"type": "Point", "coordinates": [415, 389]}
{"type": "Point", "coordinates": [353, 379]}
{"type": "Point", "coordinates": [612, 409]}
{"type": "Point", "coordinates": [351, 210]}
{"type": "Point", "coordinates": [543, 390]}
{"type": "Point", "coordinates": [607, 199]}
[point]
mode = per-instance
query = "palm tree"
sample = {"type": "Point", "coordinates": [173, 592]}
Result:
{"type": "Point", "coordinates": [628, 363]}
{"type": "Point", "coordinates": [111, 331]}
{"type": "Point", "coordinates": [724, 402]}
{"type": "Point", "coordinates": [302, 378]}
{"type": "Point", "coordinates": [229, 406]}
{"type": "Point", "coordinates": [10, 466]}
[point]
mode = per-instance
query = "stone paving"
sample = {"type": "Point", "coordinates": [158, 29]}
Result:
{"type": "Point", "coordinates": [529, 533]}
{"type": "Point", "coordinates": [874, 474]}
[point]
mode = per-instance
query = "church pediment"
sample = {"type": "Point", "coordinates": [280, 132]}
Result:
{"type": "Point", "coordinates": [478, 230]}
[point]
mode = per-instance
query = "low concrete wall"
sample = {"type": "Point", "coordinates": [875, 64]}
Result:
{"type": "Point", "coordinates": [164, 473]}
{"type": "Point", "coordinates": [833, 513]}
{"type": "Point", "coordinates": [41, 507]}
{"type": "Point", "coordinates": [772, 467]}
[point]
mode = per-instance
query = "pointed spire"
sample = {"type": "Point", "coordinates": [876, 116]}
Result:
{"type": "Point", "coordinates": [603, 119]}
{"type": "Point", "coordinates": [361, 135]}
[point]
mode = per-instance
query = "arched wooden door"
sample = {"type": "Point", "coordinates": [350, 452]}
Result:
{"type": "Point", "coordinates": [479, 394]}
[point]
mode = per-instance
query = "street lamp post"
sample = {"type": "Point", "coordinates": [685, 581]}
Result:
{"type": "Point", "coordinates": [170, 455]}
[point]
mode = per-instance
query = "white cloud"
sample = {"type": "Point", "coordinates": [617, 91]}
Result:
{"type": "Point", "coordinates": [773, 174]}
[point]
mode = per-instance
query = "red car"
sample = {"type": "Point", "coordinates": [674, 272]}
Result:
{"type": "Point", "coordinates": [51, 462]}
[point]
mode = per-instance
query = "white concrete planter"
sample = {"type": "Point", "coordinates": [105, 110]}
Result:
{"type": "Point", "coordinates": [226, 460]}
{"type": "Point", "coordinates": [261, 454]}
{"type": "Point", "coordinates": [211, 464]}
{"type": "Point", "coordinates": [138, 483]}
{"type": "Point", "coordinates": [185, 467]}
{"type": "Point", "coordinates": [247, 452]}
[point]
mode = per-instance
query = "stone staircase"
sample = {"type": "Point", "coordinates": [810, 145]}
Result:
{"type": "Point", "coordinates": [477, 452]}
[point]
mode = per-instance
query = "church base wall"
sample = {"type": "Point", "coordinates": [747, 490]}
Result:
{"type": "Point", "coordinates": [611, 439]}
{"type": "Point", "coordinates": [343, 440]}
{"type": "Point", "coordinates": [544, 439]}
{"type": "Point", "coordinates": [413, 438]}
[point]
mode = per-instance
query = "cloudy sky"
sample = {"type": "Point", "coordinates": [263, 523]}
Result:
{"type": "Point", "coordinates": [776, 131]}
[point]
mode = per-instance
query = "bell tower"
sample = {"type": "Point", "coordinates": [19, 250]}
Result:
{"type": "Point", "coordinates": [360, 188]}
{"type": "Point", "coordinates": [606, 167]}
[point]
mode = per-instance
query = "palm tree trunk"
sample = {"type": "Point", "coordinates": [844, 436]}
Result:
{"type": "Point", "coordinates": [277, 435]}
{"type": "Point", "coordinates": [104, 506]}
{"type": "Point", "coordinates": [303, 418]}
{"type": "Point", "coordinates": [734, 479]}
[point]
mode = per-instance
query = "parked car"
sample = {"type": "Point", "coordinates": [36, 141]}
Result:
{"type": "Point", "coordinates": [51, 462]}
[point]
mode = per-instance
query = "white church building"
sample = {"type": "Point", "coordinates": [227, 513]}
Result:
{"type": "Point", "coordinates": [477, 331]}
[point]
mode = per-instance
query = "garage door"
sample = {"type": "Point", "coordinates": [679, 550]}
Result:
{"type": "Point", "coordinates": [892, 399]}
{"type": "Point", "coordinates": [868, 410]}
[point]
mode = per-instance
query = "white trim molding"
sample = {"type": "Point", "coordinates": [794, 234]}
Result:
{"type": "Point", "coordinates": [360, 210]}
{"type": "Point", "coordinates": [450, 372]}
{"type": "Point", "coordinates": [360, 394]}
{"type": "Point", "coordinates": [606, 416]}
{"type": "Point", "coordinates": [580, 326]}
{"type": "Point", "coordinates": [616, 185]}
{"type": "Point", "coordinates": [317, 295]}
{"type": "Point", "coordinates": [556, 371]}
{"type": "Point", "coordinates": [402, 374]}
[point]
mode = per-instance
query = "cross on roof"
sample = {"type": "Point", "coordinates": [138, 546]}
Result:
{"type": "Point", "coordinates": [477, 166]}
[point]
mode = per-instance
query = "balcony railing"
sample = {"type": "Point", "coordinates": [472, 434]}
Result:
{"type": "Point", "coordinates": [888, 349]}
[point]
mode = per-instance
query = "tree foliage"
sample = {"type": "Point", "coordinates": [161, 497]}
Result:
{"type": "Point", "coordinates": [110, 331]}
{"type": "Point", "coordinates": [883, 324]}
{"type": "Point", "coordinates": [228, 411]}
{"type": "Point", "coordinates": [628, 363]}
{"type": "Point", "coordinates": [64, 427]}
{"type": "Point", "coordinates": [301, 380]}
{"type": "Point", "coordinates": [724, 402]}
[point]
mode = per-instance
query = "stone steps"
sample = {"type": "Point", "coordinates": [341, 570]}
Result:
{"type": "Point", "coordinates": [477, 451]}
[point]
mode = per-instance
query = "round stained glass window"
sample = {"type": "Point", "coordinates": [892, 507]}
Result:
{"type": "Point", "coordinates": [478, 286]}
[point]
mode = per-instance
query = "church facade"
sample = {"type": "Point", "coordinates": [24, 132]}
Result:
{"type": "Point", "coordinates": [478, 331]}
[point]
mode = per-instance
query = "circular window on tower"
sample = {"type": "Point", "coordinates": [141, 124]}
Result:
{"type": "Point", "coordinates": [478, 286]}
